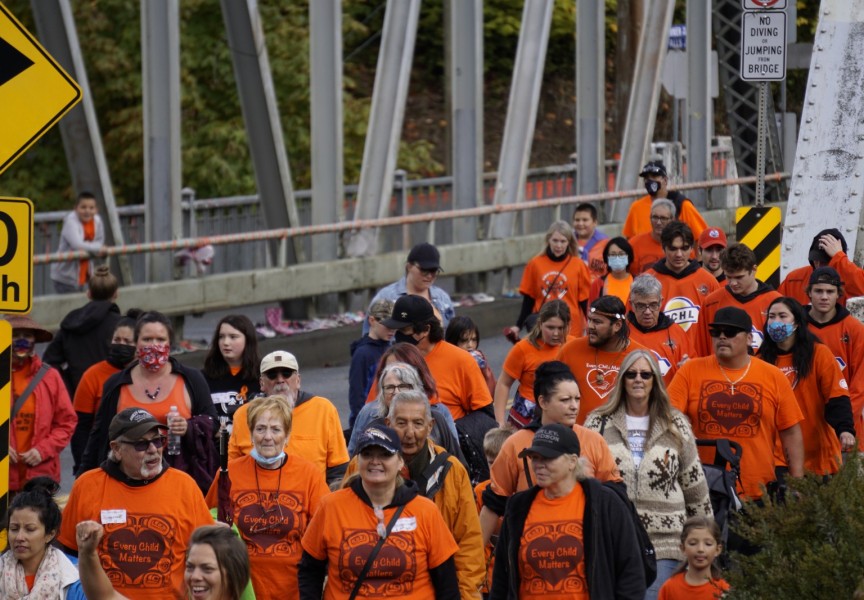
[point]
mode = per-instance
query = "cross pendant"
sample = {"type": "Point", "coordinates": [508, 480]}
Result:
{"type": "Point", "coordinates": [732, 388]}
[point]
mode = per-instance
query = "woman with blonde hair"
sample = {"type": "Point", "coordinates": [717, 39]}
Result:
{"type": "Point", "coordinates": [557, 273]}
{"type": "Point", "coordinates": [656, 454]}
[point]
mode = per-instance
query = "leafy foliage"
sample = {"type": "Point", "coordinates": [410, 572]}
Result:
{"type": "Point", "coordinates": [811, 546]}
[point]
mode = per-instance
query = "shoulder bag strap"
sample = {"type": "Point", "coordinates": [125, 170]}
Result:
{"type": "Point", "coordinates": [554, 281]}
{"type": "Point", "coordinates": [374, 553]}
{"type": "Point", "coordinates": [19, 401]}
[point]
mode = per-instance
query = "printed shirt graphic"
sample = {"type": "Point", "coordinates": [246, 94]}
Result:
{"type": "Point", "coordinates": [763, 404]}
{"type": "Point", "coordinates": [552, 551]}
{"type": "Point", "coordinates": [146, 531]}
{"type": "Point", "coordinates": [545, 278]}
{"type": "Point", "coordinates": [272, 516]}
{"type": "Point", "coordinates": [596, 371]}
{"type": "Point", "coordinates": [669, 346]}
{"type": "Point", "coordinates": [684, 296]}
{"type": "Point", "coordinates": [343, 532]}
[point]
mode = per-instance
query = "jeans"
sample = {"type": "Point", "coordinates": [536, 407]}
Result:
{"type": "Point", "coordinates": [665, 568]}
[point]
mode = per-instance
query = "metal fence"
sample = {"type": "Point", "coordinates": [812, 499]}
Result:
{"type": "Point", "coordinates": [242, 214]}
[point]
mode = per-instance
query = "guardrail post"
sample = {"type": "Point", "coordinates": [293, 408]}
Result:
{"type": "Point", "coordinates": [400, 178]}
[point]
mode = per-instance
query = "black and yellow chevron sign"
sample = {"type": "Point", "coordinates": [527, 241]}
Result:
{"type": "Point", "coordinates": [758, 228]}
{"type": "Point", "coordinates": [5, 408]}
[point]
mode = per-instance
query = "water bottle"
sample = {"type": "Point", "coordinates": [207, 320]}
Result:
{"type": "Point", "coordinates": [173, 438]}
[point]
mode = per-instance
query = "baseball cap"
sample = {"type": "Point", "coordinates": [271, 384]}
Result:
{"type": "Point", "coordinates": [381, 436]}
{"type": "Point", "coordinates": [825, 275]}
{"type": "Point", "coordinates": [730, 316]}
{"type": "Point", "coordinates": [425, 256]}
{"type": "Point", "coordinates": [655, 167]}
{"type": "Point", "coordinates": [279, 359]}
{"type": "Point", "coordinates": [552, 441]}
{"type": "Point", "coordinates": [409, 309]}
{"type": "Point", "coordinates": [133, 423]}
{"type": "Point", "coordinates": [712, 236]}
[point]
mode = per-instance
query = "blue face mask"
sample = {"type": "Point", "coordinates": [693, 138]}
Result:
{"type": "Point", "coordinates": [618, 263]}
{"type": "Point", "coordinates": [267, 462]}
{"type": "Point", "coordinates": [780, 331]}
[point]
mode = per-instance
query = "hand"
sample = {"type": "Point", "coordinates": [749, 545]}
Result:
{"type": "Point", "coordinates": [178, 426]}
{"type": "Point", "coordinates": [88, 534]}
{"type": "Point", "coordinates": [13, 456]}
{"type": "Point", "coordinates": [830, 244]}
{"type": "Point", "coordinates": [847, 441]}
{"type": "Point", "coordinates": [683, 360]}
{"type": "Point", "coordinates": [31, 458]}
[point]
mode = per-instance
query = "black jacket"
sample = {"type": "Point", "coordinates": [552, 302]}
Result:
{"type": "Point", "coordinates": [97, 445]}
{"type": "Point", "coordinates": [82, 341]}
{"type": "Point", "coordinates": [613, 565]}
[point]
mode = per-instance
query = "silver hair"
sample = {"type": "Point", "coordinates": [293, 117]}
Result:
{"type": "Point", "coordinates": [405, 373]}
{"type": "Point", "coordinates": [646, 285]}
{"type": "Point", "coordinates": [666, 203]}
{"type": "Point", "coordinates": [414, 397]}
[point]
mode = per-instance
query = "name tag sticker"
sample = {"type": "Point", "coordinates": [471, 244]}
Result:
{"type": "Point", "coordinates": [405, 524]}
{"type": "Point", "coordinates": [117, 515]}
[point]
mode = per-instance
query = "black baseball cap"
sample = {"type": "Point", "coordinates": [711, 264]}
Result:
{"type": "Point", "coordinates": [409, 309]}
{"type": "Point", "coordinates": [552, 441]}
{"type": "Point", "coordinates": [425, 256]}
{"type": "Point", "coordinates": [655, 167]}
{"type": "Point", "coordinates": [381, 436]}
{"type": "Point", "coordinates": [133, 423]}
{"type": "Point", "coordinates": [730, 316]}
{"type": "Point", "coordinates": [826, 275]}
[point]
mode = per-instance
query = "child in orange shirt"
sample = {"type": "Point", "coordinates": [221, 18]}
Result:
{"type": "Point", "coordinates": [492, 442]}
{"type": "Point", "coordinates": [699, 578]}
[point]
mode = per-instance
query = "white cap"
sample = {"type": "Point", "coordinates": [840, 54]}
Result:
{"type": "Point", "coordinates": [279, 359]}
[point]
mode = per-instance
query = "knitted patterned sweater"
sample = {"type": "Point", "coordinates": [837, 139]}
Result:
{"type": "Point", "coordinates": [668, 487]}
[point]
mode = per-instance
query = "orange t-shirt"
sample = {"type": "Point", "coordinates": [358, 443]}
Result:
{"type": "Point", "coordinates": [596, 371]}
{"type": "Point", "coordinates": [522, 362]}
{"type": "Point", "coordinates": [825, 381]}
{"type": "Point", "coordinates": [272, 509]}
{"type": "Point", "coordinates": [677, 588]}
{"type": "Point", "coordinates": [646, 252]}
{"type": "Point", "coordinates": [569, 280]}
{"type": "Point", "coordinates": [88, 394]}
{"type": "Point", "coordinates": [84, 265]}
{"type": "Point", "coordinates": [684, 296]}
{"type": "Point", "coordinates": [596, 266]}
{"type": "Point", "coordinates": [147, 529]}
{"type": "Point", "coordinates": [755, 305]}
{"type": "Point", "coordinates": [669, 346]}
{"type": "Point", "coordinates": [160, 408]}
{"type": "Point", "coordinates": [24, 421]}
{"type": "Point", "coordinates": [460, 382]}
{"type": "Point", "coordinates": [507, 474]}
{"type": "Point", "coordinates": [763, 404]}
{"type": "Point", "coordinates": [639, 218]}
{"type": "Point", "coordinates": [844, 336]}
{"type": "Point", "coordinates": [343, 532]}
{"type": "Point", "coordinates": [552, 549]}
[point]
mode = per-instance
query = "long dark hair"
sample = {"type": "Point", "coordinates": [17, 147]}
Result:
{"type": "Point", "coordinates": [459, 326]}
{"type": "Point", "coordinates": [215, 365]}
{"type": "Point", "coordinates": [38, 495]}
{"type": "Point", "coordinates": [805, 341]}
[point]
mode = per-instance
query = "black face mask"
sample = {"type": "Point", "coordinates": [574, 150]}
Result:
{"type": "Point", "coordinates": [120, 355]}
{"type": "Point", "coordinates": [405, 338]}
{"type": "Point", "coordinates": [652, 187]}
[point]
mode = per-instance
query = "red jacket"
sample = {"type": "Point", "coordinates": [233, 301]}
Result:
{"type": "Point", "coordinates": [52, 430]}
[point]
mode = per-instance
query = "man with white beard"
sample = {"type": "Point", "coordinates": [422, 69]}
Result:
{"type": "Point", "coordinates": [316, 431]}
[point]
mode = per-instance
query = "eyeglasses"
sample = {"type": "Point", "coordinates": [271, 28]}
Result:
{"type": "Point", "coordinates": [144, 445]}
{"type": "Point", "coordinates": [274, 373]}
{"type": "Point", "coordinates": [643, 306]}
{"type": "Point", "coordinates": [427, 272]}
{"type": "Point", "coordinates": [381, 528]}
{"type": "Point", "coordinates": [728, 332]}
{"type": "Point", "coordinates": [643, 375]}
{"type": "Point", "coordinates": [402, 387]}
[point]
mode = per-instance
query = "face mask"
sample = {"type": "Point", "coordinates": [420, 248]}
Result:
{"type": "Point", "coordinates": [405, 338]}
{"type": "Point", "coordinates": [618, 263]}
{"type": "Point", "coordinates": [267, 462]}
{"type": "Point", "coordinates": [22, 347]}
{"type": "Point", "coordinates": [779, 331]}
{"type": "Point", "coordinates": [652, 187]}
{"type": "Point", "coordinates": [120, 355]}
{"type": "Point", "coordinates": [153, 356]}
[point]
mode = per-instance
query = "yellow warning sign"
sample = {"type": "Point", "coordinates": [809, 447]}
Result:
{"type": "Point", "coordinates": [758, 228]}
{"type": "Point", "coordinates": [16, 255]}
{"type": "Point", "coordinates": [35, 91]}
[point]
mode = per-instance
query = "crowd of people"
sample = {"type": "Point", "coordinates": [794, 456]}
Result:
{"type": "Point", "coordinates": [582, 481]}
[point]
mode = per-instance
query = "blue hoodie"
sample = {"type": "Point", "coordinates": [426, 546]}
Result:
{"type": "Point", "coordinates": [365, 354]}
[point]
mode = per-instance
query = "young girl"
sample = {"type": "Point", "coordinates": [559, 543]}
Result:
{"type": "Point", "coordinates": [699, 578]}
{"type": "Point", "coordinates": [463, 332]}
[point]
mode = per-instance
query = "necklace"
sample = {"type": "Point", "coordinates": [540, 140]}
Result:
{"type": "Point", "coordinates": [154, 394]}
{"type": "Point", "coordinates": [275, 505]}
{"type": "Point", "coordinates": [732, 384]}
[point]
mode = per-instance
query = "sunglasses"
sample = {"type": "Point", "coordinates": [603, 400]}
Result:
{"type": "Point", "coordinates": [144, 445]}
{"type": "Point", "coordinates": [728, 332]}
{"type": "Point", "coordinates": [427, 272]}
{"type": "Point", "coordinates": [644, 375]}
{"type": "Point", "coordinates": [274, 373]}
